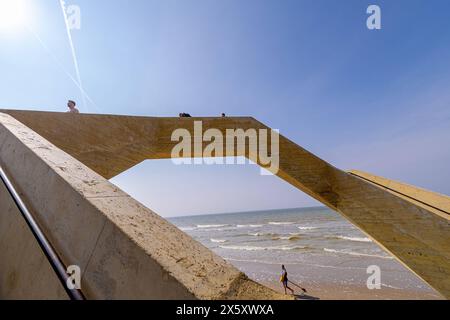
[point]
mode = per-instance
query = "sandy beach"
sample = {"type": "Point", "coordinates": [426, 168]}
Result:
{"type": "Point", "coordinates": [326, 290]}
{"type": "Point", "coordinates": [322, 252]}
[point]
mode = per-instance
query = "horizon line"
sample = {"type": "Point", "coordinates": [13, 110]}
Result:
{"type": "Point", "coordinates": [250, 211]}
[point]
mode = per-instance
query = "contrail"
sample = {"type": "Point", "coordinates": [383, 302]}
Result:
{"type": "Point", "coordinates": [60, 65]}
{"type": "Point", "coordinates": [74, 56]}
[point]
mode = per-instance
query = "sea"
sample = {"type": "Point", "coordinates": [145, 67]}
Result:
{"type": "Point", "coordinates": [317, 245]}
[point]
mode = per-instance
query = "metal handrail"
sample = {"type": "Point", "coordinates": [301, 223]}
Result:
{"type": "Point", "coordinates": [47, 248]}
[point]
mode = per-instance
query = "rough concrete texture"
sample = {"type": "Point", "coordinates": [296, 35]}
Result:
{"type": "Point", "coordinates": [435, 202]}
{"type": "Point", "coordinates": [415, 234]}
{"type": "Point", "coordinates": [125, 251]}
{"type": "Point", "coordinates": [21, 257]}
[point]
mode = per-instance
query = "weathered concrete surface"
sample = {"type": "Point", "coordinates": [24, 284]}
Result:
{"type": "Point", "coordinates": [125, 251]}
{"type": "Point", "coordinates": [24, 270]}
{"type": "Point", "coordinates": [435, 202]}
{"type": "Point", "coordinates": [109, 145]}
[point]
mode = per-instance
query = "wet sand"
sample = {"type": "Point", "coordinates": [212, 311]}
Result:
{"type": "Point", "coordinates": [330, 292]}
{"type": "Point", "coordinates": [321, 288]}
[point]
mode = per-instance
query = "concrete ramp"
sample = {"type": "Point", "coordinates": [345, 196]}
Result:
{"type": "Point", "coordinates": [120, 230]}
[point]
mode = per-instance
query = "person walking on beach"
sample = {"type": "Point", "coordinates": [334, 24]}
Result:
{"type": "Point", "coordinates": [72, 107]}
{"type": "Point", "coordinates": [284, 280]}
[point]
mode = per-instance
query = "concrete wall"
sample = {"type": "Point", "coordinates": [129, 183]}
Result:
{"type": "Point", "coordinates": [25, 272]}
{"type": "Point", "coordinates": [125, 251]}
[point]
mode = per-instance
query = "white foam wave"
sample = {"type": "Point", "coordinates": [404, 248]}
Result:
{"type": "Point", "coordinates": [249, 225]}
{"type": "Point", "coordinates": [253, 248]}
{"type": "Point", "coordinates": [218, 240]}
{"type": "Point", "coordinates": [208, 226]}
{"type": "Point", "coordinates": [290, 238]}
{"type": "Point", "coordinates": [294, 263]}
{"type": "Point", "coordinates": [187, 228]}
{"type": "Point", "coordinates": [262, 234]}
{"type": "Point", "coordinates": [357, 239]}
{"type": "Point", "coordinates": [281, 223]}
{"type": "Point", "coordinates": [357, 254]}
{"type": "Point", "coordinates": [308, 228]}
{"type": "Point", "coordinates": [257, 234]}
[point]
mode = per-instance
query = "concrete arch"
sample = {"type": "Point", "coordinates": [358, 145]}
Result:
{"type": "Point", "coordinates": [412, 224]}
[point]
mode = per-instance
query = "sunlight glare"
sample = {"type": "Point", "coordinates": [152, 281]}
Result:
{"type": "Point", "coordinates": [13, 14]}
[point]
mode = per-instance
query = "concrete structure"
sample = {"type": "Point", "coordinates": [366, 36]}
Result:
{"type": "Point", "coordinates": [125, 251]}
{"type": "Point", "coordinates": [61, 163]}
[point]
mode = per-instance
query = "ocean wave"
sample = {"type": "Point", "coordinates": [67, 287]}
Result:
{"type": "Point", "coordinates": [218, 240]}
{"type": "Point", "coordinates": [256, 261]}
{"type": "Point", "coordinates": [249, 225]}
{"type": "Point", "coordinates": [257, 234]}
{"type": "Point", "coordinates": [281, 223]}
{"type": "Point", "coordinates": [208, 226]}
{"type": "Point", "coordinates": [357, 239]}
{"type": "Point", "coordinates": [253, 248]}
{"type": "Point", "coordinates": [294, 263]}
{"type": "Point", "coordinates": [262, 234]}
{"type": "Point", "coordinates": [308, 228]}
{"type": "Point", "coordinates": [187, 228]}
{"type": "Point", "coordinates": [290, 238]}
{"type": "Point", "coordinates": [357, 254]}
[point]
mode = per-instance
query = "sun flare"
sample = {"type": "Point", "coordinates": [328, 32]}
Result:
{"type": "Point", "coordinates": [13, 14]}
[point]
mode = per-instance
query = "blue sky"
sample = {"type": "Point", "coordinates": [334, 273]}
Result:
{"type": "Point", "coordinates": [378, 101]}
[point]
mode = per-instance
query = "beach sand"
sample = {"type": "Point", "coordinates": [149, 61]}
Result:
{"type": "Point", "coordinates": [320, 288]}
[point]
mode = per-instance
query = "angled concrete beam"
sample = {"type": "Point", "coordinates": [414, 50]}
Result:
{"type": "Point", "coordinates": [417, 236]}
{"type": "Point", "coordinates": [435, 202]}
{"type": "Point", "coordinates": [125, 250]}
